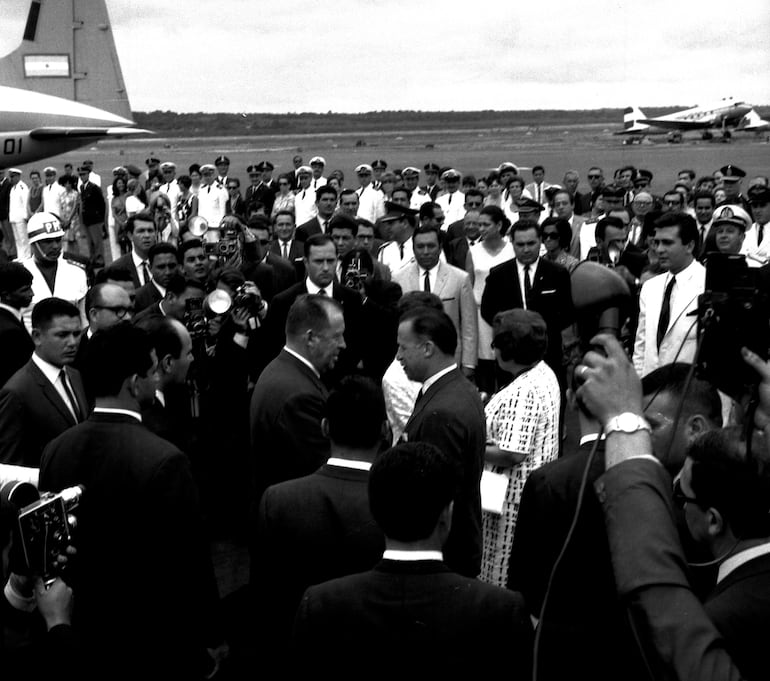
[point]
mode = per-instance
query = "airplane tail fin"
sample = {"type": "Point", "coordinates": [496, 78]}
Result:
{"type": "Point", "coordinates": [68, 51]}
{"type": "Point", "coordinates": [631, 117]}
{"type": "Point", "coordinates": [752, 122]}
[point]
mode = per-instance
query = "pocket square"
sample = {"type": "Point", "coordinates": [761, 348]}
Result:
{"type": "Point", "coordinates": [550, 290]}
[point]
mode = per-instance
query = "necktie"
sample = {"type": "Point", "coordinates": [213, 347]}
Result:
{"type": "Point", "coordinates": [145, 272]}
{"type": "Point", "coordinates": [665, 312]}
{"type": "Point", "coordinates": [449, 203]}
{"type": "Point", "coordinates": [73, 403]}
{"type": "Point", "coordinates": [420, 395]}
{"type": "Point", "coordinates": [326, 226]}
{"type": "Point", "coordinates": [286, 250]}
{"type": "Point", "coordinates": [703, 236]}
{"type": "Point", "coordinates": [760, 234]}
{"type": "Point", "coordinates": [426, 284]}
{"type": "Point", "coordinates": [401, 250]}
{"type": "Point", "coordinates": [527, 288]}
{"type": "Point", "coordinates": [322, 292]}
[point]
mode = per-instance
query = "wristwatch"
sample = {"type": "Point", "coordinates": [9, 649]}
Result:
{"type": "Point", "coordinates": [627, 422]}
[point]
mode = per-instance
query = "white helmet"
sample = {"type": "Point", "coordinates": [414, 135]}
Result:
{"type": "Point", "coordinates": [44, 226]}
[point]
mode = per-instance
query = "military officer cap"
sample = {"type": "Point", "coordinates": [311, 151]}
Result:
{"type": "Point", "coordinates": [152, 161]}
{"type": "Point", "coordinates": [431, 168]}
{"type": "Point", "coordinates": [222, 160]}
{"type": "Point", "coordinates": [14, 171]}
{"type": "Point", "coordinates": [527, 205]}
{"type": "Point", "coordinates": [304, 170]}
{"type": "Point", "coordinates": [379, 164]}
{"type": "Point", "coordinates": [207, 167]}
{"type": "Point", "coordinates": [409, 171]}
{"type": "Point", "coordinates": [255, 169]}
{"type": "Point", "coordinates": [613, 191]}
{"type": "Point", "coordinates": [266, 165]}
{"type": "Point", "coordinates": [731, 173]}
{"type": "Point", "coordinates": [732, 215]}
{"type": "Point", "coordinates": [133, 170]}
{"type": "Point", "coordinates": [451, 174]}
{"type": "Point", "coordinates": [50, 170]}
{"type": "Point", "coordinates": [506, 166]}
{"type": "Point", "coordinates": [643, 176]}
{"type": "Point", "coordinates": [318, 160]}
{"type": "Point", "coordinates": [395, 211]}
{"type": "Point", "coordinates": [363, 169]}
{"type": "Point", "coordinates": [759, 195]}
{"type": "Point", "coordinates": [168, 164]}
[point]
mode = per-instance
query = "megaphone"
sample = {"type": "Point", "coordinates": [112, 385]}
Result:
{"type": "Point", "coordinates": [601, 299]}
{"type": "Point", "coordinates": [217, 302]}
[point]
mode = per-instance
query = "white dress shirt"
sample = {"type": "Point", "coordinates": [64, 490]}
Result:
{"type": "Point", "coordinates": [532, 270]}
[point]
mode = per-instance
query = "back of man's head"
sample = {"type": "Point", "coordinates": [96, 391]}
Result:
{"type": "Point", "coordinates": [163, 335]}
{"type": "Point", "coordinates": [701, 398]}
{"type": "Point", "coordinates": [433, 325]}
{"type": "Point", "coordinates": [115, 354]}
{"type": "Point", "coordinates": [414, 299]}
{"type": "Point", "coordinates": [355, 412]}
{"type": "Point", "coordinates": [409, 486]}
{"type": "Point", "coordinates": [309, 313]}
{"type": "Point", "coordinates": [13, 276]}
{"type": "Point", "coordinates": [725, 478]}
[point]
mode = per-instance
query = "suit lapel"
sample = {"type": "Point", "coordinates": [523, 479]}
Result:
{"type": "Point", "coordinates": [682, 301]}
{"type": "Point", "coordinates": [441, 280]}
{"type": "Point", "coordinates": [50, 393]}
{"type": "Point", "coordinates": [428, 396]}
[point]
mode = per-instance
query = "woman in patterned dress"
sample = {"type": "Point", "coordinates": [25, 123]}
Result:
{"type": "Point", "coordinates": [522, 429]}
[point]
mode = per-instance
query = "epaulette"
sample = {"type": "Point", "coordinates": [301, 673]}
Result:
{"type": "Point", "coordinates": [78, 260]}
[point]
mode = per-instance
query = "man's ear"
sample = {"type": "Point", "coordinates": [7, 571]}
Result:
{"type": "Point", "coordinates": [165, 363]}
{"type": "Point", "coordinates": [696, 425]}
{"type": "Point", "coordinates": [715, 522]}
{"type": "Point", "coordinates": [325, 427]}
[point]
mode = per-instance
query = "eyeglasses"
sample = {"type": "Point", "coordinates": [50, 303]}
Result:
{"type": "Point", "coordinates": [550, 235]}
{"type": "Point", "coordinates": [118, 310]}
{"type": "Point", "coordinates": [231, 187]}
{"type": "Point", "coordinates": [680, 498]}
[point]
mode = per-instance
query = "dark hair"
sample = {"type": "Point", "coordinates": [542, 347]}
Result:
{"type": "Point", "coordinates": [515, 345]}
{"type": "Point", "coordinates": [160, 249]}
{"type": "Point", "coordinates": [187, 246]}
{"type": "Point", "coordinates": [317, 240]}
{"type": "Point", "coordinates": [230, 277]}
{"type": "Point", "coordinates": [403, 190]}
{"type": "Point", "coordinates": [194, 168]}
{"type": "Point", "coordinates": [688, 228]}
{"type": "Point", "coordinates": [427, 210]}
{"type": "Point", "coordinates": [433, 325]}
{"type": "Point", "coordinates": [178, 284]}
{"type": "Point", "coordinates": [474, 192]}
{"type": "Point", "coordinates": [144, 216]}
{"type": "Point", "coordinates": [690, 173]}
{"type": "Point", "coordinates": [516, 179]}
{"type": "Point", "coordinates": [342, 221]}
{"type": "Point", "coordinates": [325, 189]}
{"type": "Point", "coordinates": [115, 273]}
{"type": "Point", "coordinates": [281, 212]}
{"type": "Point", "coordinates": [48, 308]}
{"type": "Point", "coordinates": [309, 312]}
{"type": "Point", "coordinates": [347, 192]}
{"type": "Point", "coordinates": [523, 225]}
{"type": "Point", "coordinates": [624, 168]}
{"type": "Point", "coordinates": [94, 296]}
{"type": "Point", "coordinates": [498, 216]}
{"type": "Point", "coordinates": [702, 397]}
{"type": "Point", "coordinates": [409, 486]}
{"type": "Point", "coordinates": [564, 191]}
{"type": "Point", "coordinates": [429, 229]}
{"type": "Point", "coordinates": [119, 178]}
{"type": "Point", "coordinates": [13, 275]}
{"type": "Point", "coordinates": [704, 195]}
{"type": "Point", "coordinates": [725, 479]}
{"type": "Point", "coordinates": [184, 181]}
{"type": "Point", "coordinates": [115, 354]}
{"type": "Point", "coordinates": [163, 335]}
{"type": "Point", "coordinates": [413, 300]}
{"type": "Point", "coordinates": [562, 227]}
{"type": "Point", "coordinates": [355, 411]}
{"type": "Point", "coordinates": [536, 168]}
{"type": "Point", "coordinates": [601, 227]}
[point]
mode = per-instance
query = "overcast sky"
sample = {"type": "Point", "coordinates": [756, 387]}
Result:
{"type": "Point", "coordinates": [364, 55]}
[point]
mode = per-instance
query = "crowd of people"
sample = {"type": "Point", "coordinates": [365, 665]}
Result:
{"type": "Point", "coordinates": [370, 387]}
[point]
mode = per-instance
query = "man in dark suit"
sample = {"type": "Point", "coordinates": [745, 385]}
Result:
{"type": "Point", "coordinates": [262, 189]}
{"type": "Point", "coordinates": [15, 295]}
{"type": "Point", "coordinates": [143, 234]}
{"type": "Point", "coordinates": [92, 205]}
{"type": "Point", "coordinates": [411, 611]}
{"type": "Point", "coordinates": [284, 274]}
{"type": "Point", "coordinates": [45, 397]}
{"type": "Point", "coordinates": [448, 414]}
{"type": "Point", "coordinates": [726, 505]}
{"type": "Point", "coordinates": [532, 282]}
{"type": "Point", "coordinates": [285, 244]}
{"type": "Point", "coordinates": [140, 494]}
{"type": "Point", "coordinates": [288, 401]}
{"type": "Point", "coordinates": [320, 265]}
{"type": "Point", "coordinates": [164, 263]}
{"type": "Point", "coordinates": [106, 305]}
{"type": "Point", "coordinates": [456, 248]}
{"type": "Point", "coordinates": [326, 203]}
{"type": "Point", "coordinates": [474, 200]}
{"type": "Point", "coordinates": [319, 527]}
